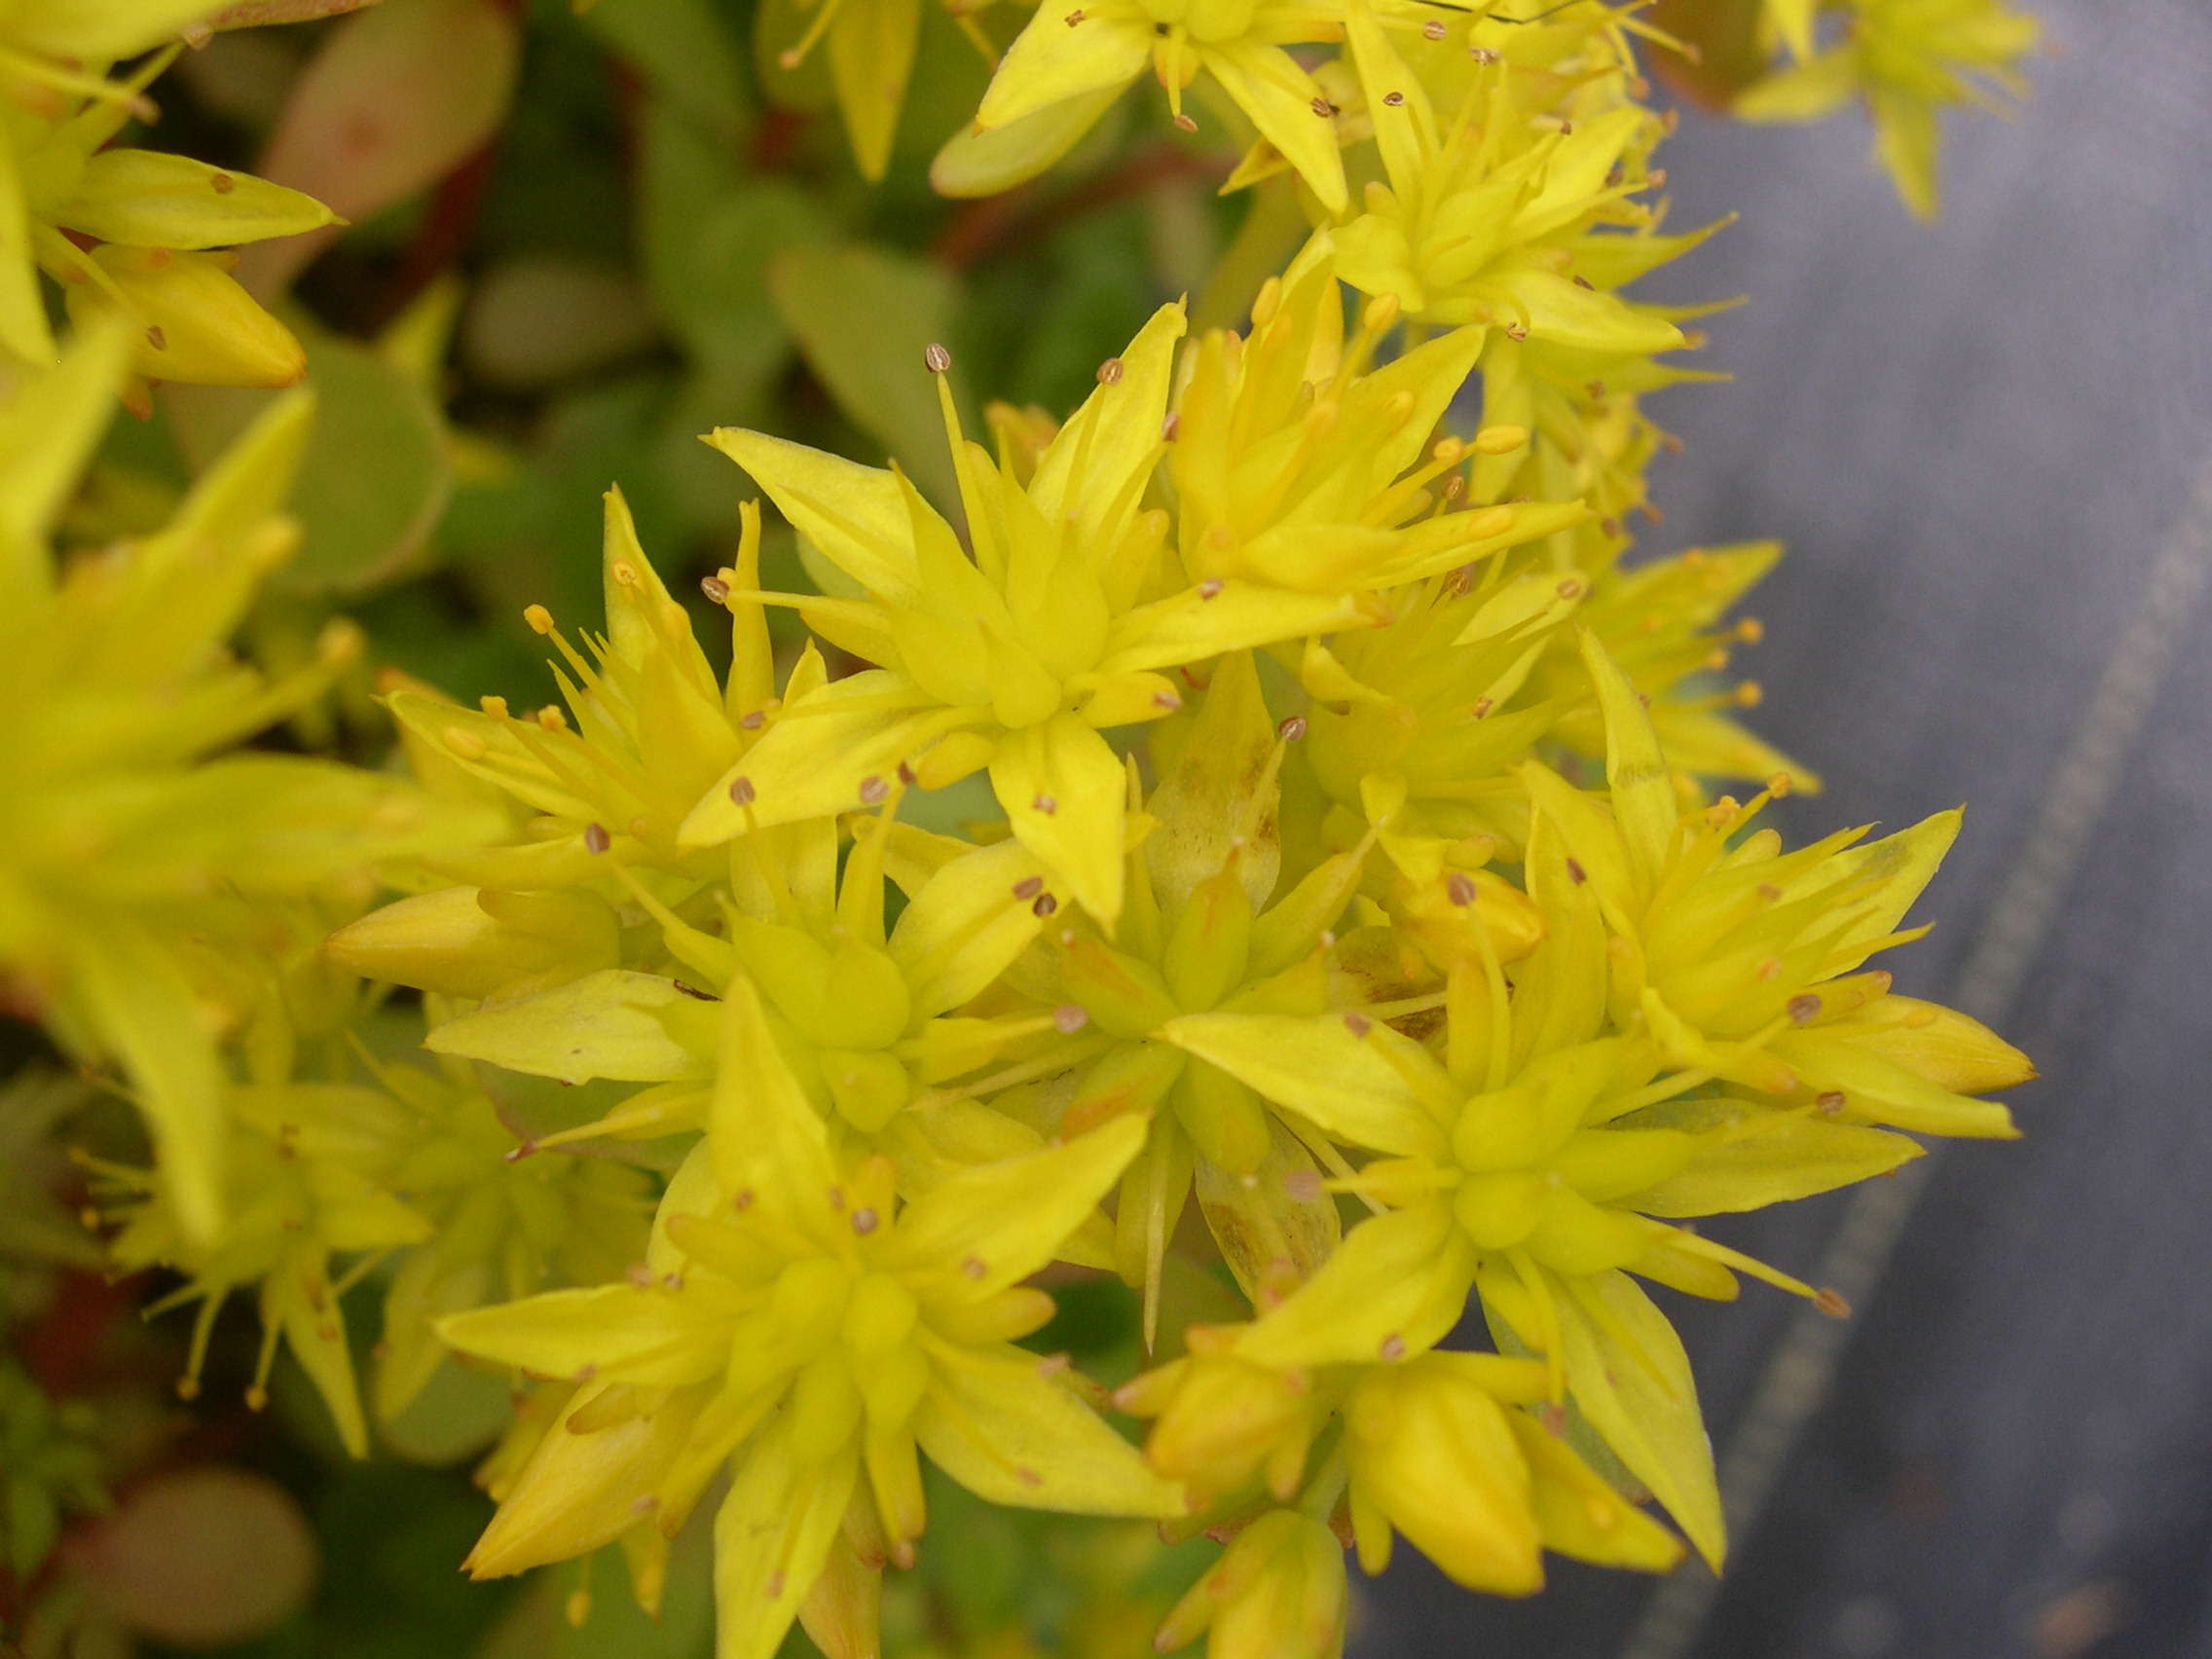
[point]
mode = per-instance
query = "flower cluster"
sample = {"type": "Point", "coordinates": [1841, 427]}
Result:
{"type": "Point", "coordinates": [1339, 911]}
{"type": "Point", "coordinates": [1301, 906]}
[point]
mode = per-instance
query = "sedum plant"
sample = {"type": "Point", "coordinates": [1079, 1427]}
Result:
{"type": "Point", "coordinates": [1260, 856]}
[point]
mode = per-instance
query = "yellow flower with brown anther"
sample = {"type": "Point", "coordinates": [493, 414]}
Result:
{"type": "Point", "coordinates": [800, 1326]}
{"type": "Point", "coordinates": [648, 730]}
{"type": "Point", "coordinates": [1198, 932]}
{"type": "Point", "coordinates": [1066, 67]}
{"type": "Point", "coordinates": [1743, 960]}
{"type": "Point", "coordinates": [1415, 728]}
{"type": "Point", "coordinates": [157, 215]}
{"type": "Point", "coordinates": [1277, 1593]}
{"type": "Point", "coordinates": [1428, 1445]}
{"type": "Point", "coordinates": [1661, 622]}
{"type": "Point", "coordinates": [133, 869]}
{"type": "Point", "coordinates": [507, 1226]}
{"type": "Point", "coordinates": [308, 1172]}
{"type": "Point", "coordinates": [1906, 59]}
{"type": "Point", "coordinates": [1298, 464]}
{"type": "Point", "coordinates": [1015, 659]}
{"type": "Point", "coordinates": [866, 1018]}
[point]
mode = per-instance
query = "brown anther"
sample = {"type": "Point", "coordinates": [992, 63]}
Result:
{"type": "Point", "coordinates": [837, 1199]}
{"type": "Point", "coordinates": [1109, 371]}
{"type": "Point", "coordinates": [1210, 587]}
{"type": "Point", "coordinates": [1481, 55]}
{"type": "Point", "coordinates": [715, 589]}
{"type": "Point", "coordinates": [1323, 108]}
{"type": "Point", "coordinates": [864, 1220]}
{"type": "Point", "coordinates": [1516, 331]}
{"type": "Point", "coordinates": [1028, 887]}
{"type": "Point", "coordinates": [1566, 129]}
{"type": "Point", "coordinates": [971, 1266]}
{"type": "Point", "coordinates": [1770, 968]}
{"type": "Point", "coordinates": [1596, 388]}
{"type": "Point", "coordinates": [741, 1201]}
{"type": "Point", "coordinates": [1392, 1347]}
{"type": "Point", "coordinates": [1170, 426]}
{"type": "Point", "coordinates": [155, 338]}
{"type": "Point", "coordinates": [1657, 176]}
{"type": "Point", "coordinates": [1803, 1007]}
{"type": "Point", "coordinates": [1482, 706]}
{"type": "Point", "coordinates": [694, 992]}
{"type": "Point", "coordinates": [752, 719]}
{"type": "Point", "coordinates": [1611, 526]}
{"type": "Point", "coordinates": [1044, 803]}
{"type": "Point", "coordinates": [1766, 889]}
{"type": "Point", "coordinates": [1073, 17]}
{"type": "Point", "coordinates": [906, 773]}
{"type": "Point", "coordinates": [936, 358]}
{"type": "Point", "coordinates": [1069, 1018]}
{"type": "Point", "coordinates": [1167, 700]}
{"type": "Point", "coordinates": [1454, 487]}
{"type": "Point", "coordinates": [1571, 587]}
{"type": "Point", "coordinates": [1830, 1304]}
{"type": "Point", "coordinates": [740, 790]}
{"type": "Point", "coordinates": [222, 183]}
{"type": "Point", "coordinates": [595, 838]}
{"type": "Point", "coordinates": [1575, 873]}
{"type": "Point", "coordinates": [1829, 1103]}
{"type": "Point", "coordinates": [516, 1153]}
{"type": "Point", "coordinates": [1291, 727]}
{"type": "Point", "coordinates": [1358, 1024]}
{"type": "Point", "coordinates": [1581, 281]}
{"type": "Point", "coordinates": [872, 790]}
{"type": "Point", "coordinates": [1184, 122]}
{"type": "Point", "coordinates": [1459, 888]}
{"type": "Point", "coordinates": [1391, 101]}
{"type": "Point", "coordinates": [1046, 905]}
{"type": "Point", "coordinates": [1432, 30]}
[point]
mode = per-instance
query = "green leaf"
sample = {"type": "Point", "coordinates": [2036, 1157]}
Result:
{"type": "Point", "coordinates": [862, 317]}
{"type": "Point", "coordinates": [376, 476]}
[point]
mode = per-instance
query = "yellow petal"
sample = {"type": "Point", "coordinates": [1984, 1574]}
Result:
{"type": "Point", "coordinates": [607, 1024]}
{"type": "Point", "coordinates": [984, 163]}
{"type": "Point", "coordinates": [1270, 87]}
{"type": "Point", "coordinates": [1064, 794]}
{"type": "Point", "coordinates": [151, 199]}
{"type": "Point", "coordinates": [772, 1535]}
{"type": "Point", "coordinates": [1318, 1068]}
{"type": "Point", "coordinates": [854, 514]}
{"type": "Point", "coordinates": [1010, 1434]}
{"type": "Point", "coordinates": [1011, 1215]}
{"type": "Point", "coordinates": [1396, 1286]}
{"type": "Point", "coordinates": [1050, 62]}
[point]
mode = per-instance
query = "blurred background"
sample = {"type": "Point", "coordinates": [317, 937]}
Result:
{"type": "Point", "coordinates": [580, 240]}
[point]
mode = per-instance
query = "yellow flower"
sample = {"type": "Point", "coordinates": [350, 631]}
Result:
{"type": "Point", "coordinates": [132, 868]}
{"type": "Point", "coordinates": [157, 211]}
{"type": "Point", "coordinates": [1277, 1593]}
{"type": "Point", "coordinates": [310, 1166]}
{"type": "Point", "coordinates": [1013, 660]}
{"type": "Point", "coordinates": [1907, 58]}
{"type": "Point", "coordinates": [1067, 66]}
{"type": "Point", "coordinates": [505, 1226]}
{"type": "Point", "coordinates": [799, 1325]}
{"type": "Point", "coordinates": [1531, 1161]}
{"type": "Point", "coordinates": [1297, 463]}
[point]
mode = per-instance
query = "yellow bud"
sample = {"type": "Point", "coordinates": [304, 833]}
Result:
{"type": "Point", "coordinates": [868, 1086]}
{"type": "Point", "coordinates": [1277, 1593]}
{"type": "Point", "coordinates": [454, 942]}
{"type": "Point", "coordinates": [1205, 956]}
{"type": "Point", "coordinates": [880, 1315]}
{"type": "Point", "coordinates": [1221, 1418]}
{"type": "Point", "coordinates": [200, 326]}
{"type": "Point", "coordinates": [1223, 1119]}
{"type": "Point", "coordinates": [1431, 1452]}
{"type": "Point", "coordinates": [824, 1409]}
